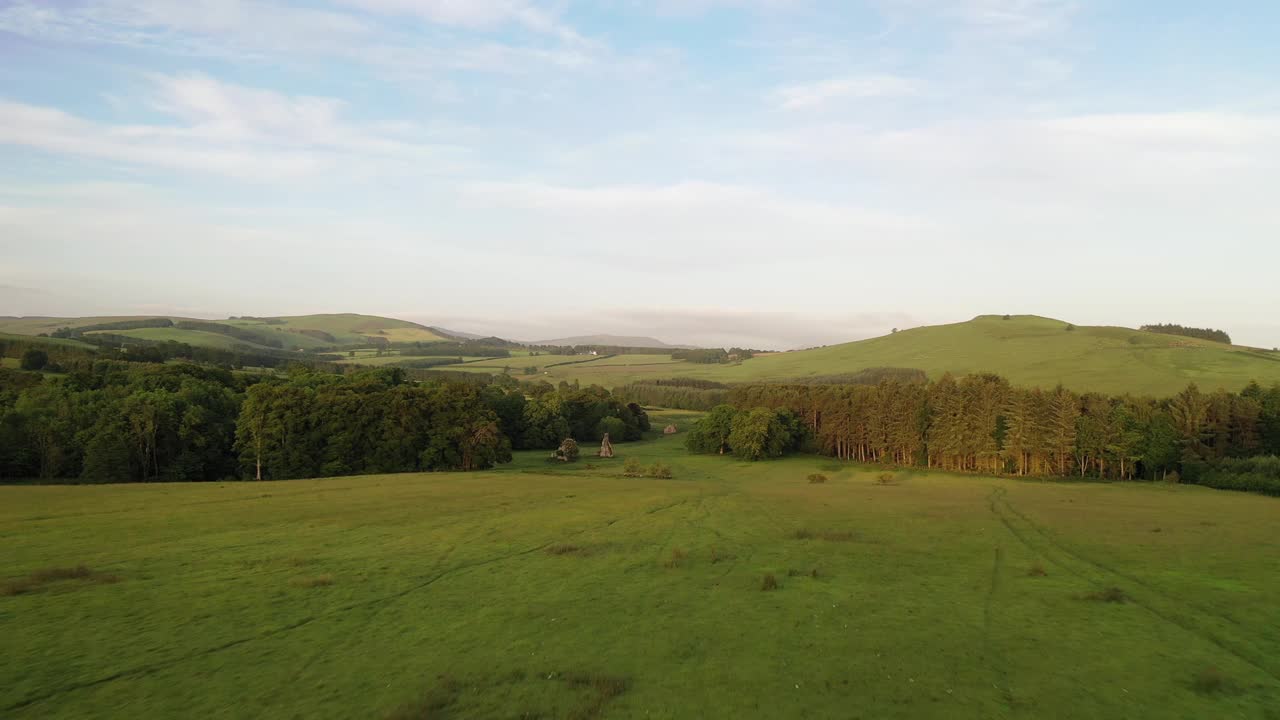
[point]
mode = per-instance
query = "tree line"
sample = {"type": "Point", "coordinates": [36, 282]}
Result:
{"type": "Point", "coordinates": [116, 421]}
{"type": "Point", "coordinates": [980, 423]}
{"type": "Point", "coordinates": [1202, 333]}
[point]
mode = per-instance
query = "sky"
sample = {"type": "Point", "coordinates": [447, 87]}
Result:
{"type": "Point", "coordinates": [768, 173]}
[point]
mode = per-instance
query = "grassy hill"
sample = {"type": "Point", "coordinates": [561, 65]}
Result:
{"type": "Point", "coordinates": [1028, 350]}
{"type": "Point", "coordinates": [573, 592]}
{"type": "Point", "coordinates": [55, 342]}
{"type": "Point", "coordinates": [288, 332]}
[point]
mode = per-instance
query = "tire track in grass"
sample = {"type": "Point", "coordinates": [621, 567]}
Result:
{"type": "Point", "coordinates": [1178, 613]}
{"type": "Point", "coordinates": [995, 660]}
{"type": "Point", "coordinates": [1052, 539]}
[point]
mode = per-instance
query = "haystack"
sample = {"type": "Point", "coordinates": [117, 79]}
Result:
{"type": "Point", "coordinates": [669, 430]}
{"type": "Point", "coordinates": [606, 447]}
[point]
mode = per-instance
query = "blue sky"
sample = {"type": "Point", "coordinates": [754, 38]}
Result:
{"type": "Point", "coordinates": [776, 173]}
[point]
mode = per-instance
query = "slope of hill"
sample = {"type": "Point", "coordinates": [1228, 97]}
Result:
{"type": "Point", "coordinates": [297, 332]}
{"type": "Point", "coordinates": [1028, 350]}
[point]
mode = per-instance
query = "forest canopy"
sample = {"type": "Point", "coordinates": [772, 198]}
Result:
{"type": "Point", "coordinates": [114, 421]}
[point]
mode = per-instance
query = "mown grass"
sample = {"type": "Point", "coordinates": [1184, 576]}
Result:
{"type": "Point", "coordinates": [476, 596]}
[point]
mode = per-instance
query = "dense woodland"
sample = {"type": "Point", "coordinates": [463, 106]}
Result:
{"type": "Point", "coordinates": [712, 356]}
{"type": "Point", "coordinates": [678, 393]}
{"type": "Point", "coordinates": [979, 423]}
{"type": "Point", "coordinates": [113, 421]}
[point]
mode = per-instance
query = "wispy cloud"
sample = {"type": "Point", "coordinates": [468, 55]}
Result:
{"type": "Point", "coordinates": [224, 129]}
{"type": "Point", "coordinates": [810, 95]}
{"type": "Point", "coordinates": [473, 14]}
{"type": "Point", "coordinates": [365, 32]}
{"type": "Point", "coordinates": [1008, 18]}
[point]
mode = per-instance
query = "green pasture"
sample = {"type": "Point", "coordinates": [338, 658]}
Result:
{"type": "Point", "coordinates": [569, 591]}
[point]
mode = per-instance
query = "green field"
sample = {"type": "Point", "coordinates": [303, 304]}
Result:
{"type": "Point", "coordinates": [5, 336]}
{"type": "Point", "coordinates": [1029, 351]}
{"type": "Point", "coordinates": [571, 592]}
{"type": "Point", "coordinates": [347, 328]}
{"type": "Point", "coordinates": [198, 338]}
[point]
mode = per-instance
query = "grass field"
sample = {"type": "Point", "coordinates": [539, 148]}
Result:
{"type": "Point", "coordinates": [4, 336]}
{"type": "Point", "coordinates": [1029, 351]}
{"type": "Point", "coordinates": [190, 337]}
{"type": "Point", "coordinates": [347, 328]}
{"type": "Point", "coordinates": [571, 592]}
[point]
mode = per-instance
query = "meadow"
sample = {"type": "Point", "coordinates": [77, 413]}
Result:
{"type": "Point", "coordinates": [569, 591]}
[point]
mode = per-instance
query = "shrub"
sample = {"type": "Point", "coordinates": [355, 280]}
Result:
{"type": "Point", "coordinates": [769, 583]}
{"type": "Point", "coordinates": [38, 579]}
{"type": "Point", "coordinates": [1173, 478]}
{"type": "Point", "coordinates": [886, 479]}
{"type": "Point", "coordinates": [1110, 595]}
{"type": "Point", "coordinates": [1210, 680]}
{"type": "Point", "coordinates": [434, 703]}
{"type": "Point", "coordinates": [1036, 570]}
{"type": "Point", "coordinates": [632, 468]}
{"type": "Point", "coordinates": [568, 451]}
{"type": "Point", "coordinates": [660, 470]}
{"type": "Point", "coordinates": [18, 587]}
{"type": "Point", "coordinates": [1070, 328]}
{"type": "Point", "coordinates": [828, 535]}
{"type": "Point", "coordinates": [604, 688]}
{"type": "Point", "coordinates": [817, 478]}
{"type": "Point", "coordinates": [48, 575]}
{"type": "Point", "coordinates": [34, 359]}
{"type": "Point", "coordinates": [313, 582]}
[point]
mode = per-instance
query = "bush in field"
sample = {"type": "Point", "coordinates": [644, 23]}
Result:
{"type": "Point", "coordinates": [34, 359]}
{"type": "Point", "coordinates": [568, 451]}
{"type": "Point", "coordinates": [817, 478]}
{"type": "Point", "coordinates": [660, 470]}
{"type": "Point", "coordinates": [632, 468]}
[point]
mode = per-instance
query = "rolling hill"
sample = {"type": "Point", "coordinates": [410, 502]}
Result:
{"type": "Point", "coordinates": [1028, 350]}
{"type": "Point", "coordinates": [300, 332]}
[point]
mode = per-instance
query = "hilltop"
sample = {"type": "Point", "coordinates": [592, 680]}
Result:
{"type": "Point", "coordinates": [299, 332]}
{"type": "Point", "coordinates": [1028, 350]}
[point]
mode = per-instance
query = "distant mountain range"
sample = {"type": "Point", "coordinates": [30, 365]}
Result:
{"type": "Point", "coordinates": [616, 340]}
